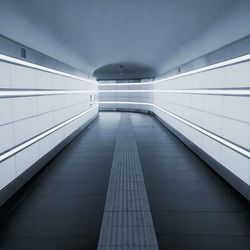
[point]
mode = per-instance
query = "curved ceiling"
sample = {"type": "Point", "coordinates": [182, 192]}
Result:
{"type": "Point", "coordinates": [124, 71]}
{"type": "Point", "coordinates": [159, 34]}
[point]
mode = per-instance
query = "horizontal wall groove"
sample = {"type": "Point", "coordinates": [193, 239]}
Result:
{"type": "Point", "coordinates": [240, 185]}
{"type": "Point", "coordinates": [44, 113]}
{"type": "Point", "coordinates": [12, 187]}
{"type": "Point", "coordinates": [237, 148]}
{"type": "Point", "coordinates": [204, 111]}
{"type": "Point", "coordinates": [39, 107]}
{"type": "Point", "coordinates": [31, 93]}
{"type": "Point", "coordinates": [15, 61]}
{"type": "Point", "coordinates": [208, 106]}
{"type": "Point", "coordinates": [205, 130]}
{"type": "Point", "coordinates": [16, 149]}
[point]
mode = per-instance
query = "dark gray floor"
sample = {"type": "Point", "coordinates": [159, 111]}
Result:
{"type": "Point", "coordinates": [63, 208]}
{"type": "Point", "coordinates": [192, 208]}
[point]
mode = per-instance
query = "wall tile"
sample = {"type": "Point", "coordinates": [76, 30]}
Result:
{"type": "Point", "coordinates": [5, 79]}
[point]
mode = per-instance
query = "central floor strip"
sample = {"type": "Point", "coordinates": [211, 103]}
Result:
{"type": "Point", "coordinates": [127, 221]}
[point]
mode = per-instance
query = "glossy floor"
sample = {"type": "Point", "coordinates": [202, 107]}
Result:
{"type": "Point", "coordinates": [191, 207]}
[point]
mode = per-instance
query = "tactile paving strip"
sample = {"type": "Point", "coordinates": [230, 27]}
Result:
{"type": "Point", "coordinates": [127, 221]}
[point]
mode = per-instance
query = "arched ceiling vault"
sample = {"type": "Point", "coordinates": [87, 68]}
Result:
{"type": "Point", "coordinates": [92, 34]}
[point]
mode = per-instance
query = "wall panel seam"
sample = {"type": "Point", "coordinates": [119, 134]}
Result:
{"type": "Point", "coordinates": [44, 113]}
{"type": "Point", "coordinates": [237, 148]}
{"type": "Point", "coordinates": [16, 149]}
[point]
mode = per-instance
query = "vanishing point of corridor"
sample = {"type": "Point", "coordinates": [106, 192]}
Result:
{"type": "Point", "coordinates": [125, 125]}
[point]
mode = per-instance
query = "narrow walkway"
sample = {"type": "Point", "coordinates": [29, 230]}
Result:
{"type": "Point", "coordinates": [78, 201]}
{"type": "Point", "coordinates": [127, 220]}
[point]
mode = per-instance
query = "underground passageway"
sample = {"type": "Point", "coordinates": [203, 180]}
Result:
{"type": "Point", "coordinates": [126, 181]}
{"type": "Point", "coordinates": [125, 125]}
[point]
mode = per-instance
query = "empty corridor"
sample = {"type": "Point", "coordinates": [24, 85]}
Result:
{"type": "Point", "coordinates": [76, 201]}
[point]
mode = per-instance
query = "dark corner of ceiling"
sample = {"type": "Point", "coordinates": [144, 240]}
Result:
{"type": "Point", "coordinates": [124, 71]}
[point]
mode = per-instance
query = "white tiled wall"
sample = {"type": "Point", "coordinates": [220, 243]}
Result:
{"type": "Point", "coordinates": [24, 117]}
{"type": "Point", "coordinates": [226, 116]}
{"type": "Point", "coordinates": [141, 97]}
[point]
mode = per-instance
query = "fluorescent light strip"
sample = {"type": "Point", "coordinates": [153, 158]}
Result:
{"type": "Point", "coordinates": [19, 93]}
{"type": "Point", "coordinates": [140, 103]}
{"type": "Point", "coordinates": [39, 67]}
{"type": "Point", "coordinates": [185, 91]}
{"type": "Point", "coordinates": [209, 134]}
{"type": "Point", "coordinates": [206, 68]}
{"type": "Point", "coordinates": [125, 84]}
{"type": "Point", "coordinates": [26, 144]}
{"type": "Point", "coordinates": [210, 67]}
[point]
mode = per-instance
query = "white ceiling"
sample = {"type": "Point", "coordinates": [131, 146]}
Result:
{"type": "Point", "coordinates": [159, 34]}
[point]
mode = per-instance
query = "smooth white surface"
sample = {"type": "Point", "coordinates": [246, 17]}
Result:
{"type": "Point", "coordinates": [5, 81]}
{"type": "Point", "coordinates": [22, 133]}
{"type": "Point", "coordinates": [36, 66]}
{"type": "Point", "coordinates": [5, 111]}
{"type": "Point", "coordinates": [64, 102]}
{"type": "Point", "coordinates": [227, 116]}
